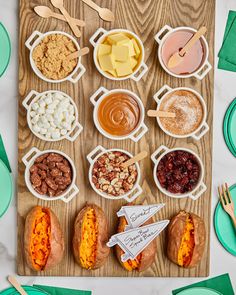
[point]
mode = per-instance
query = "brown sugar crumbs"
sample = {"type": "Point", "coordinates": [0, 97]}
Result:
{"type": "Point", "coordinates": [50, 56]}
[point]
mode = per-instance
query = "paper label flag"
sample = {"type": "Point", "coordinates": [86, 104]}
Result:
{"type": "Point", "coordinates": [138, 215]}
{"type": "Point", "coordinates": [134, 241]}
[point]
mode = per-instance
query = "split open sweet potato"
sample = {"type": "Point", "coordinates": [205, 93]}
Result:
{"type": "Point", "coordinates": [43, 239]}
{"type": "Point", "coordinates": [90, 237]}
{"type": "Point", "coordinates": [186, 239]}
{"type": "Point", "coordinates": [145, 259]}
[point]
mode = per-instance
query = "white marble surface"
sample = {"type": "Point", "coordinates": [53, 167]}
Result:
{"type": "Point", "coordinates": [223, 169]}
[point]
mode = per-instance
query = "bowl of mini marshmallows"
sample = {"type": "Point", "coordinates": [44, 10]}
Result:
{"type": "Point", "coordinates": [52, 115]}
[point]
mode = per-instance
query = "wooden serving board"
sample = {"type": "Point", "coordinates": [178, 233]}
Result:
{"type": "Point", "coordinates": [145, 18]}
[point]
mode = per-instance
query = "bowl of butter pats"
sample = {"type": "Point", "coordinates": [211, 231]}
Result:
{"type": "Point", "coordinates": [118, 54]}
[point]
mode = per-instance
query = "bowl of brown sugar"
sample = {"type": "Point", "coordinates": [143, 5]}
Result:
{"type": "Point", "coordinates": [190, 112]}
{"type": "Point", "coordinates": [49, 56]}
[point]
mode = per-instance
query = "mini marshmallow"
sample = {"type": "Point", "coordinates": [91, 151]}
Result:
{"type": "Point", "coordinates": [53, 115]}
{"type": "Point", "coordinates": [35, 106]}
{"type": "Point", "coordinates": [32, 114]}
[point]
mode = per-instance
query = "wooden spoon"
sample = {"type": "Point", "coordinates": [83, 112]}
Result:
{"type": "Point", "coordinates": [59, 4]}
{"type": "Point", "coordinates": [78, 53]}
{"type": "Point", "coordinates": [16, 285]}
{"type": "Point", "coordinates": [177, 57]}
{"type": "Point", "coordinates": [46, 12]}
{"type": "Point", "coordinates": [161, 114]}
{"type": "Point", "coordinates": [104, 13]}
{"type": "Point", "coordinates": [137, 158]}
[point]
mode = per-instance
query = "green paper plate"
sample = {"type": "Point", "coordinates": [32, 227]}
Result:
{"type": "Point", "coordinates": [225, 127]}
{"type": "Point", "coordinates": [5, 188]}
{"type": "Point", "coordinates": [232, 128]}
{"type": "Point", "coordinates": [223, 226]}
{"type": "Point", "coordinates": [5, 49]}
{"type": "Point", "coordinates": [29, 290]}
{"type": "Point", "coordinates": [199, 291]}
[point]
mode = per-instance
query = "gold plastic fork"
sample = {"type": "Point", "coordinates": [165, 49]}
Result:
{"type": "Point", "coordinates": [227, 202]}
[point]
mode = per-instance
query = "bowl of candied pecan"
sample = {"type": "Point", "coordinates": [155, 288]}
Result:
{"type": "Point", "coordinates": [109, 179]}
{"type": "Point", "coordinates": [50, 175]}
{"type": "Point", "coordinates": [178, 172]}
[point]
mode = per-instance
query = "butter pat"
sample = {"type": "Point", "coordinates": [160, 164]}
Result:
{"type": "Point", "coordinates": [104, 49]}
{"type": "Point", "coordinates": [123, 68]}
{"type": "Point", "coordinates": [107, 62]}
{"type": "Point", "coordinates": [130, 45]}
{"type": "Point", "coordinates": [136, 48]}
{"type": "Point", "coordinates": [117, 39]}
{"type": "Point", "coordinates": [133, 62]}
{"type": "Point", "coordinates": [120, 52]}
{"type": "Point", "coordinates": [113, 73]}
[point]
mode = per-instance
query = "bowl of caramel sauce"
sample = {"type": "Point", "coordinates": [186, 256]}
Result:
{"type": "Point", "coordinates": [118, 114]}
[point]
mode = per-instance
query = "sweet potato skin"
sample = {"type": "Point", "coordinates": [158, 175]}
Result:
{"type": "Point", "coordinates": [57, 244]}
{"type": "Point", "coordinates": [102, 250]}
{"type": "Point", "coordinates": [147, 255]}
{"type": "Point", "coordinates": [175, 233]}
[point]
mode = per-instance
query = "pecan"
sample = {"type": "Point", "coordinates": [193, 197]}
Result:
{"type": "Point", "coordinates": [54, 158]}
{"type": "Point", "coordinates": [33, 169]}
{"type": "Point", "coordinates": [42, 173]}
{"type": "Point", "coordinates": [64, 168]}
{"type": "Point", "coordinates": [62, 187]}
{"type": "Point", "coordinates": [42, 166]}
{"type": "Point", "coordinates": [35, 180]}
{"type": "Point", "coordinates": [55, 172]}
{"type": "Point", "coordinates": [60, 180]}
{"type": "Point", "coordinates": [59, 192]}
{"type": "Point", "coordinates": [51, 183]}
{"type": "Point", "coordinates": [44, 188]}
{"type": "Point", "coordinates": [65, 162]}
{"type": "Point", "coordinates": [51, 165]}
{"type": "Point", "coordinates": [51, 192]}
{"type": "Point", "coordinates": [41, 158]}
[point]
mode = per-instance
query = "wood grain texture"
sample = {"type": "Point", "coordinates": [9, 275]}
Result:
{"type": "Point", "coordinates": [145, 18]}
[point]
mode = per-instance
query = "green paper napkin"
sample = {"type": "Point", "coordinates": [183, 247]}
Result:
{"type": "Point", "coordinates": [61, 291]}
{"type": "Point", "coordinates": [3, 155]}
{"type": "Point", "coordinates": [225, 60]}
{"type": "Point", "coordinates": [221, 284]}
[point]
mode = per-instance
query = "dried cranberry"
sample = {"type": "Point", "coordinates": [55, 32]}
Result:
{"type": "Point", "coordinates": [178, 172]}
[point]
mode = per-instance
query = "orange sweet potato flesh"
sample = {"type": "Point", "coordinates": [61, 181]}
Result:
{"type": "Point", "coordinates": [43, 239]}
{"type": "Point", "coordinates": [131, 264]}
{"type": "Point", "coordinates": [88, 244]}
{"type": "Point", "coordinates": [186, 239]}
{"type": "Point", "coordinates": [186, 248]}
{"type": "Point", "coordinates": [144, 260]}
{"type": "Point", "coordinates": [90, 237]}
{"type": "Point", "coordinates": [40, 239]}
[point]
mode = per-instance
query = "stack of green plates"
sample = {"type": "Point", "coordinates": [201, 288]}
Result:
{"type": "Point", "coordinates": [229, 127]}
{"type": "Point", "coordinates": [5, 49]}
{"type": "Point", "coordinates": [29, 290]}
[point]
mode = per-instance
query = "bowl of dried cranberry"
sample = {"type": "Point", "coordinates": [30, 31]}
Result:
{"type": "Point", "coordinates": [178, 172]}
{"type": "Point", "coordinates": [50, 175]}
{"type": "Point", "coordinates": [109, 179]}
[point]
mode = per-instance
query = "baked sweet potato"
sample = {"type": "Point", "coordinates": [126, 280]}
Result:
{"type": "Point", "coordinates": [90, 237]}
{"type": "Point", "coordinates": [43, 239]}
{"type": "Point", "coordinates": [186, 239]}
{"type": "Point", "coordinates": [145, 259]}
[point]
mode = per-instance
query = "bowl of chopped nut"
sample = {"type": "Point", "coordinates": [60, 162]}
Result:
{"type": "Point", "coordinates": [52, 115]}
{"type": "Point", "coordinates": [50, 175]}
{"type": "Point", "coordinates": [109, 179]}
{"type": "Point", "coordinates": [48, 56]}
